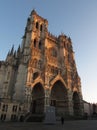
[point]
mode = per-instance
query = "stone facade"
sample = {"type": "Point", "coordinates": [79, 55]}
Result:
{"type": "Point", "coordinates": [42, 72]}
{"type": "Point", "coordinates": [88, 108]}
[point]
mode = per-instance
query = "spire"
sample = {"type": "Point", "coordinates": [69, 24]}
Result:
{"type": "Point", "coordinates": [12, 50]}
{"type": "Point", "coordinates": [18, 49]}
{"type": "Point", "coordinates": [14, 53]}
{"type": "Point", "coordinates": [33, 12]}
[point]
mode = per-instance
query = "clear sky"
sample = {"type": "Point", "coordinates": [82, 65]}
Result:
{"type": "Point", "coordinates": [75, 18]}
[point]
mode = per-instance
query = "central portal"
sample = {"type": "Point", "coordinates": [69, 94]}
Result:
{"type": "Point", "coordinates": [59, 98]}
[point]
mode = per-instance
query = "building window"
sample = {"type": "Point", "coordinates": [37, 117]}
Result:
{"type": "Point", "coordinates": [53, 52]}
{"type": "Point", "coordinates": [14, 109]}
{"type": "Point", "coordinates": [5, 108]}
{"type": "Point", "coordinates": [34, 42]}
{"type": "Point", "coordinates": [19, 108]}
{"type": "Point", "coordinates": [37, 25]}
{"type": "Point", "coordinates": [35, 75]}
{"type": "Point", "coordinates": [40, 45]}
{"type": "Point", "coordinates": [41, 27]}
{"type": "Point", "coordinates": [3, 117]}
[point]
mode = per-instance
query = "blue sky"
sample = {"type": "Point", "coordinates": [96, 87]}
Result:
{"type": "Point", "coordinates": [75, 18]}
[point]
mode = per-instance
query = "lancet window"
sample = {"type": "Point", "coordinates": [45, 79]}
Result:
{"type": "Point", "coordinates": [41, 27]}
{"type": "Point", "coordinates": [40, 45]}
{"type": "Point", "coordinates": [34, 42]}
{"type": "Point", "coordinates": [37, 25]}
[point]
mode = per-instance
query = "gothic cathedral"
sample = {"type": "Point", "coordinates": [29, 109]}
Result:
{"type": "Point", "coordinates": [42, 72]}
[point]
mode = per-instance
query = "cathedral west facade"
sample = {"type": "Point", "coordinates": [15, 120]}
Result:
{"type": "Point", "coordinates": [42, 72]}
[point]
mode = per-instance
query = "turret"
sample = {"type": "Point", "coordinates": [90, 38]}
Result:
{"type": "Point", "coordinates": [12, 50]}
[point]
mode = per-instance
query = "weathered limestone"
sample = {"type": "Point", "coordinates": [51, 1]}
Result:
{"type": "Point", "coordinates": [41, 73]}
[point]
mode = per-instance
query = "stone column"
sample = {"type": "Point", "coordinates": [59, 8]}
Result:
{"type": "Point", "coordinates": [70, 103]}
{"type": "Point", "coordinates": [46, 99]}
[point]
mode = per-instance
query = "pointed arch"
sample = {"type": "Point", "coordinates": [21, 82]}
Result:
{"type": "Point", "coordinates": [59, 98]}
{"type": "Point", "coordinates": [58, 77]}
{"type": "Point", "coordinates": [37, 25]}
{"type": "Point", "coordinates": [35, 42]}
{"type": "Point", "coordinates": [38, 94]}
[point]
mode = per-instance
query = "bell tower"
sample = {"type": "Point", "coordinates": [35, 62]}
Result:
{"type": "Point", "coordinates": [36, 64]}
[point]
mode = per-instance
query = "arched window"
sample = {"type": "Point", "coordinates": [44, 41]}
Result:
{"type": "Point", "coordinates": [54, 52]}
{"type": "Point", "coordinates": [34, 42]}
{"type": "Point", "coordinates": [35, 75]}
{"type": "Point", "coordinates": [40, 45]}
{"type": "Point", "coordinates": [3, 117]}
{"type": "Point", "coordinates": [41, 27]}
{"type": "Point", "coordinates": [5, 107]}
{"type": "Point", "coordinates": [37, 25]}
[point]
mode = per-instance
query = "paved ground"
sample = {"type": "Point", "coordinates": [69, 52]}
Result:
{"type": "Point", "coordinates": [68, 125]}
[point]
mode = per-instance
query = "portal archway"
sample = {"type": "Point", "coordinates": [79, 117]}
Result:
{"type": "Point", "coordinates": [59, 98]}
{"type": "Point", "coordinates": [37, 105]}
